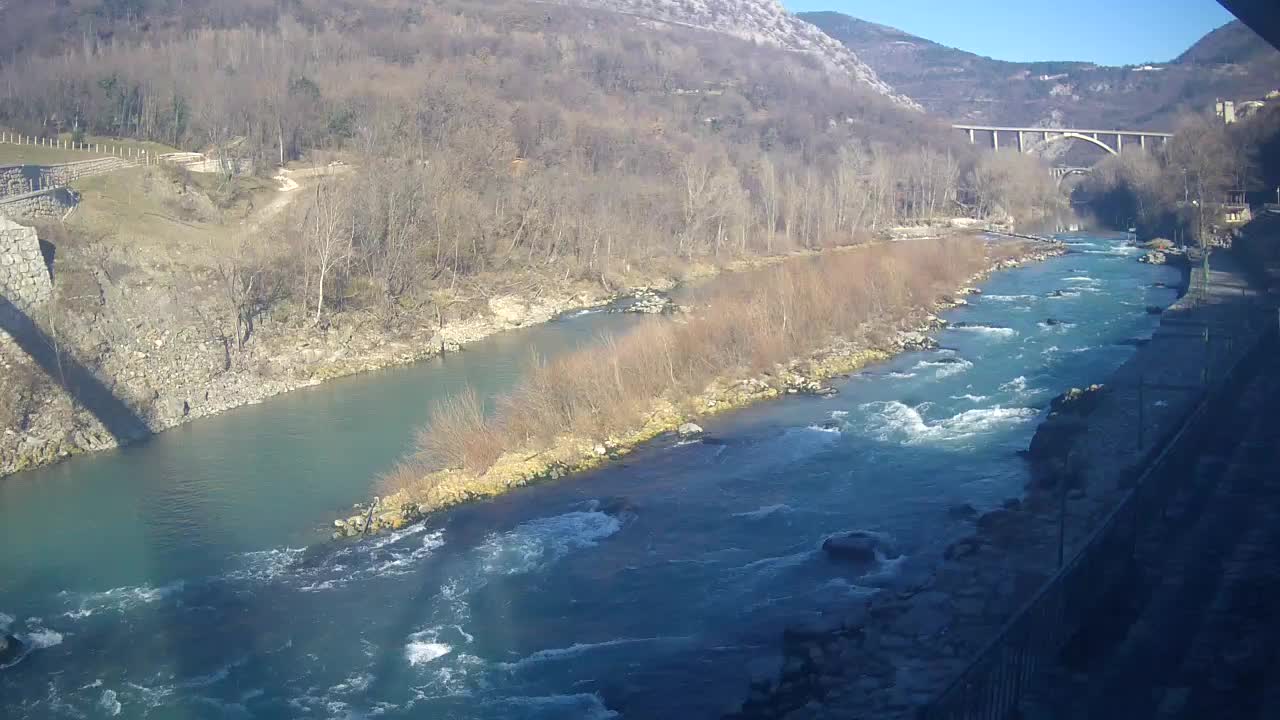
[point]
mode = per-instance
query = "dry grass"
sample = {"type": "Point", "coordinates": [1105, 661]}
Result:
{"type": "Point", "coordinates": [744, 324]}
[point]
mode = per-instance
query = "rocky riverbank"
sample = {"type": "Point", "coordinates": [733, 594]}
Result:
{"type": "Point", "coordinates": [170, 375]}
{"type": "Point", "coordinates": [573, 455]}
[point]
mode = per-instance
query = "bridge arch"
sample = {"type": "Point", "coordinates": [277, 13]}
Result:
{"type": "Point", "coordinates": [1078, 136]}
{"type": "Point", "coordinates": [1064, 173]}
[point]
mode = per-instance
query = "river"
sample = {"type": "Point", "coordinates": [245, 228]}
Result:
{"type": "Point", "coordinates": [190, 576]}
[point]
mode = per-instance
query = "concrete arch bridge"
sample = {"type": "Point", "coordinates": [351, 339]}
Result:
{"type": "Point", "coordinates": [1028, 139]}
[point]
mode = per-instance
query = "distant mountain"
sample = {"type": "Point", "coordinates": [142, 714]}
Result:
{"type": "Point", "coordinates": [1231, 62]}
{"type": "Point", "coordinates": [761, 21]}
{"type": "Point", "coordinates": [1233, 43]}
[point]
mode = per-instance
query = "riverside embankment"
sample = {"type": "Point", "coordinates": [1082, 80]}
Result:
{"type": "Point", "coordinates": [168, 359]}
{"type": "Point", "coordinates": [893, 655]}
{"type": "Point", "coordinates": [648, 587]}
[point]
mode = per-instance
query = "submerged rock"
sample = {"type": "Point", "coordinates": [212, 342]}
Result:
{"type": "Point", "coordinates": [617, 506]}
{"type": "Point", "coordinates": [963, 548]}
{"type": "Point", "coordinates": [1154, 310]}
{"type": "Point", "coordinates": [649, 302]}
{"type": "Point", "coordinates": [763, 671]}
{"type": "Point", "coordinates": [818, 628]}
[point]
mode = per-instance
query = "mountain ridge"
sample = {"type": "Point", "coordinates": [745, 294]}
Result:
{"type": "Point", "coordinates": [1230, 62]}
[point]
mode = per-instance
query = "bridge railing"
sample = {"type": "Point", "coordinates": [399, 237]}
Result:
{"type": "Point", "coordinates": [995, 682]}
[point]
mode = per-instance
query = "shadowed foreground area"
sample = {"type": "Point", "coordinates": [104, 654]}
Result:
{"type": "Point", "coordinates": [79, 382]}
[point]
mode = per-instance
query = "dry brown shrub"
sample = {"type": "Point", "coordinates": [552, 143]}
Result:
{"type": "Point", "coordinates": [747, 323]}
{"type": "Point", "coordinates": [459, 435]}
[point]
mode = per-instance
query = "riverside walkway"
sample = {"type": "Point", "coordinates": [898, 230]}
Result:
{"type": "Point", "coordinates": [1166, 412]}
{"type": "Point", "coordinates": [1196, 632]}
{"type": "Point", "coordinates": [1193, 631]}
{"type": "Point", "coordinates": [968, 635]}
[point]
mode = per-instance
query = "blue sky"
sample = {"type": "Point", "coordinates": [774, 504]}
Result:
{"type": "Point", "coordinates": [1109, 32]}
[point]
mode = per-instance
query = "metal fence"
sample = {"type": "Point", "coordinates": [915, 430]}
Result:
{"type": "Point", "coordinates": [995, 682]}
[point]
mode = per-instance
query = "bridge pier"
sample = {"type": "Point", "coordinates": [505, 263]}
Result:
{"type": "Point", "coordinates": [970, 136]}
{"type": "Point", "coordinates": [995, 140]}
{"type": "Point", "coordinates": [1020, 142]}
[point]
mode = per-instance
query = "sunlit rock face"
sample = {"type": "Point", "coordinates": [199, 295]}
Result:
{"type": "Point", "coordinates": [761, 21]}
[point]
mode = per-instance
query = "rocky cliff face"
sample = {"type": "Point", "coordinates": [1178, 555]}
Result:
{"type": "Point", "coordinates": [761, 21]}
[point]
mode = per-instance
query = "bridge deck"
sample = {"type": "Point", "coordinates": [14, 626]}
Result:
{"type": "Point", "coordinates": [1126, 133]}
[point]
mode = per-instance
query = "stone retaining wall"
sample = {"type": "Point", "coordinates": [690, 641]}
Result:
{"type": "Point", "coordinates": [24, 278]}
{"type": "Point", "coordinates": [51, 204]}
{"type": "Point", "coordinates": [22, 179]}
{"type": "Point", "coordinates": [25, 179]}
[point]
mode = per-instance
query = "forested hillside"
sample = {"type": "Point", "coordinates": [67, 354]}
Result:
{"type": "Point", "coordinates": [509, 132]}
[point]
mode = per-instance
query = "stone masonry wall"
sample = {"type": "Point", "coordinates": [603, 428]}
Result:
{"type": "Point", "coordinates": [23, 179]}
{"type": "Point", "coordinates": [24, 278]}
{"type": "Point", "coordinates": [43, 205]}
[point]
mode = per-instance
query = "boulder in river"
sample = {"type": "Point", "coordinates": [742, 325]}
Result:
{"type": "Point", "coordinates": [1077, 401]}
{"type": "Point", "coordinates": [1051, 445]}
{"type": "Point", "coordinates": [916, 341]}
{"type": "Point", "coordinates": [10, 647]}
{"type": "Point", "coordinates": [1154, 310]}
{"type": "Point", "coordinates": [1052, 322]}
{"type": "Point", "coordinates": [689, 430]}
{"type": "Point", "coordinates": [856, 546]}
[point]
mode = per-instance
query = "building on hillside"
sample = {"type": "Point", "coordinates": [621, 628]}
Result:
{"type": "Point", "coordinates": [1225, 110]}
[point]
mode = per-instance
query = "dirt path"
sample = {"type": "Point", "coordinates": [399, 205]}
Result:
{"type": "Point", "coordinates": [287, 192]}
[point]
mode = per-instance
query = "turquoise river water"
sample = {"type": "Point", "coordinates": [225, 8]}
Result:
{"type": "Point", "coordinates": [190, 576]}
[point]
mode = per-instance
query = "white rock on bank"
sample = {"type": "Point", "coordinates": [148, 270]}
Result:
{"type": "Point", "coordinates": [689, 430]}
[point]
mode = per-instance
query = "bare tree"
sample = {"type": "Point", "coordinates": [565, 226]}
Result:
{"type": "Point", "coordinates": [328, 233]}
